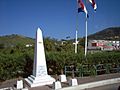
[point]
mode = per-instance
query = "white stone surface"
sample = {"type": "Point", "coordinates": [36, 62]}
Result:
{"type": "Point", "coordinates": [20, 84]}
{"type": "Point", "coordinates": [40, 76]}
{"type": "Point", "coordinates": [39, 67]}
{"type": "Point", "coordinates": [57, 85]}
{"type": "Point", "coordinates": [73, 82]}
{"type": "Point", "coordinates": [24, 89]}
{"type": "Point", "coordinates": [7, 88]}
{"type": "Point", "coordinates": [93, 84]}
{"type": "Point", "coordinates": [62, 78]}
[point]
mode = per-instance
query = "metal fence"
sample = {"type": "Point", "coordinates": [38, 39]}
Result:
{"type": "Point", "coordinates": [91, 70]}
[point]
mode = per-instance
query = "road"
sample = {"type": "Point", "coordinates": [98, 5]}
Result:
{"type": "Point", "coordinates": [107, 87]}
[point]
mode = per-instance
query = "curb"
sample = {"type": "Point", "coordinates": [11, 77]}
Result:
{"type": "Point", "coordinates": [93, 84]}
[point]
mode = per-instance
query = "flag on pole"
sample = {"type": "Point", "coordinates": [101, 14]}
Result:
{"type": "Point", "coordinates": [82, 7]}
{"type": "Point", "coordinates": [93, 4]}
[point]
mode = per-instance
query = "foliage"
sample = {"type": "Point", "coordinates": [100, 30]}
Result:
{"type": "Point", "coordinates": [17, 60]}
{"type": "Point", "coordinates": [13, 62]}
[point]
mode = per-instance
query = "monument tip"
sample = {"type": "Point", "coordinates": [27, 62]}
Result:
{"type": "Point", "coordinates": [39, 29]}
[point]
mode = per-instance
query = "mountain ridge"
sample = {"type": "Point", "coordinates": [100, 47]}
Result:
{"type": "Point", "coordinates": [15, 39]}
{"type": "Point", "coordinates": [111, 33]}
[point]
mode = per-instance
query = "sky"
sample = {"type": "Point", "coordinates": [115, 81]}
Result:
{"type": "Point", "coordinates": [57, 18]}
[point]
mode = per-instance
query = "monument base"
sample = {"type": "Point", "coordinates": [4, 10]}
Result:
{"type": "Point", "coordinates": [57, 85]}
{"type": "Point", "coordinates": [39, 81]}
{"type": "Point", "coordinates": [73, 82]}
{"type": "Point", "coordinates": [62, 78]}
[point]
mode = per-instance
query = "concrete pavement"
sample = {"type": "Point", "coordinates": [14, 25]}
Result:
{"type": "Point", "coordinates": [81, 80]}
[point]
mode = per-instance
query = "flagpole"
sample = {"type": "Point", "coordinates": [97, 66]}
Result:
{"type": "Point", "coordinates": [86, 36]}
{"type": "Point", "coordinates": [76, 34]}
{"type": "Point", "coordinates": [76, 42]}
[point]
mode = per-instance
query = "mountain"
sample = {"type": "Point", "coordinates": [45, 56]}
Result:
{"type": "Point", "coordinates": [112, 33]}
{"type": "Point", "coordinates": [14, 39]}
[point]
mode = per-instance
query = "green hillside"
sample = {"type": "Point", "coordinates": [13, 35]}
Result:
{"type": "Point", "coordinates": [14, 39]}
{"type": "Point", "coordinates": [112, 33]}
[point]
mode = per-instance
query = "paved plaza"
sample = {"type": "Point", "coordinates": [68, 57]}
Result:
{"type": "Point", "coordinates": [81, 80]}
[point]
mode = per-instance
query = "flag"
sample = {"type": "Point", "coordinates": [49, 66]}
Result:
{"type": "Point", "coordinates": [82, 7]}
{"type": "Point", "coordinates": [93, 4]}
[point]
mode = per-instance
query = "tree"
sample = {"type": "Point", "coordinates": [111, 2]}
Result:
{"type": "Point", "coordinates": [2, 46]}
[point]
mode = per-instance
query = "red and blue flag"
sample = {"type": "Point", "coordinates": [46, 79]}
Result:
{"type": "Point", "coordinates": [81, 7]}
{"type": "Point", "coordinates": [93, 4]}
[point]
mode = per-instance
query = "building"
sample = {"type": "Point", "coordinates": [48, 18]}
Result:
{"type": "Point", "coordinates": [105, 45]}
{"type": "Point", "coordinates": [28, 45]}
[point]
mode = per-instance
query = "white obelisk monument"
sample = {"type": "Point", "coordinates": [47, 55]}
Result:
{"type": "Point", "coordinates": [40, 76]}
